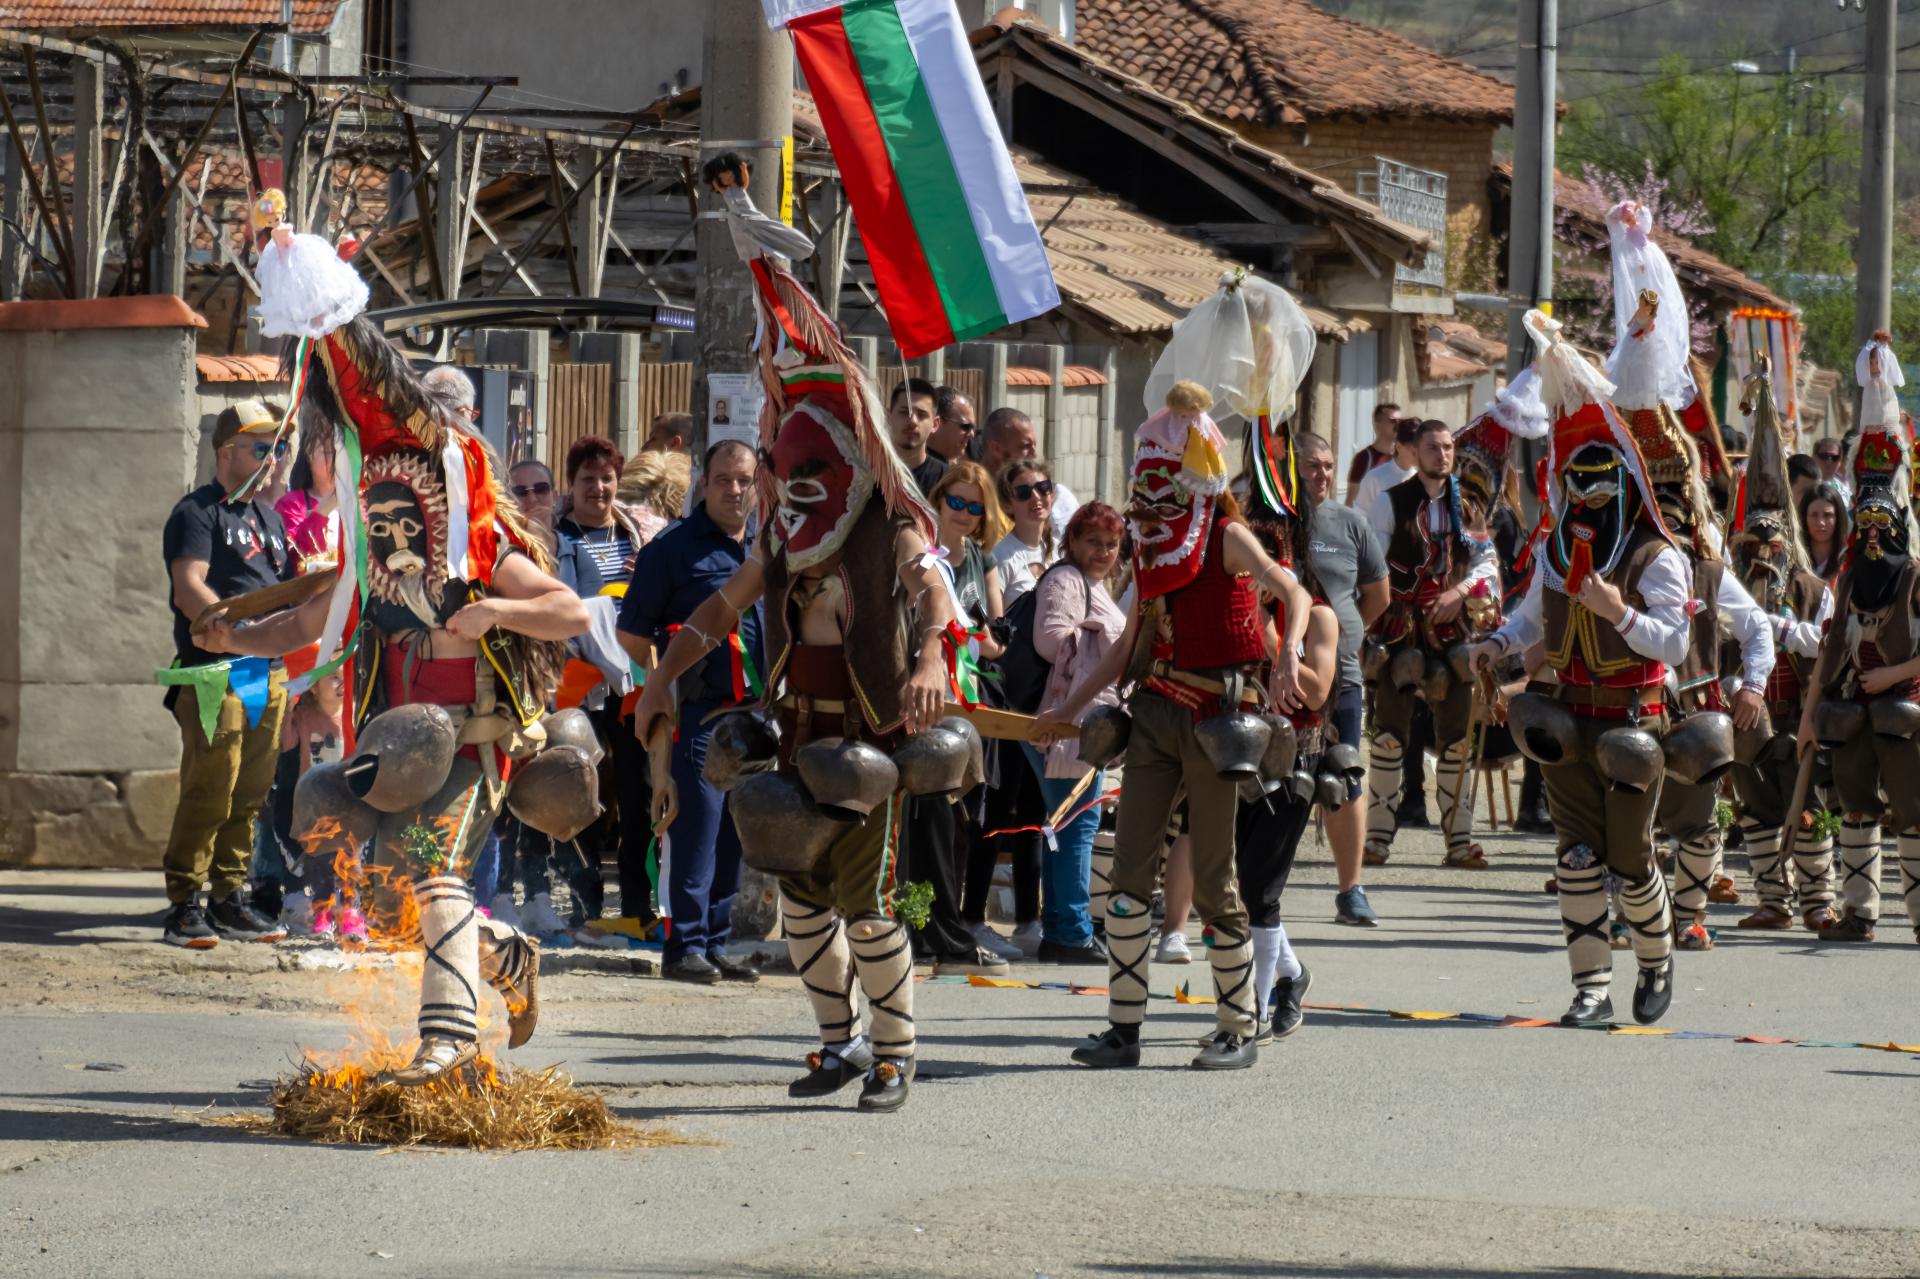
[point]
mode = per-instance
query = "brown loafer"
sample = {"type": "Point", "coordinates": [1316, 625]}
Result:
{"type": "Point", "coordinates": [522, 1020]}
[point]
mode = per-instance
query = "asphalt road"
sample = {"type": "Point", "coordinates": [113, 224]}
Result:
{"type": "Point", "coordinates": [1366, 1145]}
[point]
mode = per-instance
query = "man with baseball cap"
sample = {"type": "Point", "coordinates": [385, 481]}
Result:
{"type": "Point", "coordinates": [216, 546]}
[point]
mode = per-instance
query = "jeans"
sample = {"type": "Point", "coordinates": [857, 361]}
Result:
{"type": "Point", "coordinates": [703, 860]}
{"type": "Point", "coordinates": [1067, 867]}
{"type": "Point", "coordinates": [524, 854]}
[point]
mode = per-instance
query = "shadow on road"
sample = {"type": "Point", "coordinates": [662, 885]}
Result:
{"type": "Point", "coordinates": [93, 1125]}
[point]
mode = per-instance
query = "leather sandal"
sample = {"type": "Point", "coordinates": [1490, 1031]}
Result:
{"type": "Point", "coordinates": [1723, 891]}
{"type": "Point", "coordinates": [1374, 854]}
{"type": "Point", "coordinates": [1468, 857]}
{"type": "Point", "coordinates": [1849, 928]}
{"type": "Point", "coordinates": [1819, 919]}
{"type": "Point", "coordinates": [1771, 918]}
{"type": "Point", "coordinates": [435, 1059]}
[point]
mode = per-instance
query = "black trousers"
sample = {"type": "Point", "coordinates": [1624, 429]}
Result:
{"type": "Point", "coordinates": [931, 857]}
{"type": "Point", "coordinates": [1413, 791]}
{"type": "Point", "coordinates": [631, 795]}
{"type": "Point", "coordinates": [1266, 842]}
{"type": "Point", "coordinates": [1016, 801]}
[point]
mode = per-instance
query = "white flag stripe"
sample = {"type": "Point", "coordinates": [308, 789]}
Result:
{"type": "Point", "coordinates": [1016, 258]}
{"type": "Point", "coordinates": [781, 12]}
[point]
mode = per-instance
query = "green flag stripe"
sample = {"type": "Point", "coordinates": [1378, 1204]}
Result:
{"type": "Point", "coordinates": [923, 167]}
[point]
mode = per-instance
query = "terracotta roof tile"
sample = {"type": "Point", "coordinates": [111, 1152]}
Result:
{"type": "Point", "coordinates": [1282, 62]}
{"type": "Point", "coordinates": [238, 368]}
{"type": "Point", "coordinates": [68, 15]}
{"type": "Point", "coordinates": [1128, 272]}
{"type": "Point", "coordinates": [1583, 210]}
{"type": "Point", "coordinates": [159, 311]}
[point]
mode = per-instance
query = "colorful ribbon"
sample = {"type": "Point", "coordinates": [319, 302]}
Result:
{"type": "Point", "coordinates": [252, 483]}
{"type": "Point", "coordinates": [964, 671]}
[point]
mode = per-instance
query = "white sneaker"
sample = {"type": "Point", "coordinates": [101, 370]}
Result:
{"type": "Point", "coordinates": [503, 909]}
{"type": "Point", "coordinates": [1027, 938]}
{"type": "Point", "coordinates": [1173, 950]}
{"type": "Point", "coordinates": [987, 939]}
{"type": "Point", "coordinates": [540, 918]}
{"type": "Point", "coordinates": [297, 911]}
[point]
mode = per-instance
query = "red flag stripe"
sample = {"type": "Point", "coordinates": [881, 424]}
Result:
{"type": "Point", "coordinates": [899, 264]}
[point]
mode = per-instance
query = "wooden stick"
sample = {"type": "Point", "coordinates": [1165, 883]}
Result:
{"type": "Point", "coordinates": [1073, 797]}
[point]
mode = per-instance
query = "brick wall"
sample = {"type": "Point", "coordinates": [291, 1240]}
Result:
{"type": "Point", "coordinates": [1462, 151]}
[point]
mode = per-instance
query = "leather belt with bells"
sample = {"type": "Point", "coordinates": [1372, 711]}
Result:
{"type": "Point", "coordinates": [1249, 694]}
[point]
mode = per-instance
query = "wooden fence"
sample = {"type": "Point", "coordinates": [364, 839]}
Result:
{"type": "Point", "coordinates": [579, 402]}
{"type": "Point", "coordinates": [663, 388]}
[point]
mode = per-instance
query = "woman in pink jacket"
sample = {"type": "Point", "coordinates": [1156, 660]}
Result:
{"type": "Point", "coordinates": [1076, 623]}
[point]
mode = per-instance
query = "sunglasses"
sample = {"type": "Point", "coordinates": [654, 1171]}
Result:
{"type": "Point", "coordinates": [975, 509]}
{"type": "Point", "coordinates": [262, 450]}
{"type": "Point", "coordinates": [1828, 457]}
{"type": "Point", "coordinates": [532, 490]}
{"type": "Point", "coordinates": [1022, 492]}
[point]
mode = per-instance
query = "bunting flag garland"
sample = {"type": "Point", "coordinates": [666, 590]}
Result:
{"type": "Point", "coordinates": [248, 678]}
{"type": "Point", "coordinates": [953, 246]}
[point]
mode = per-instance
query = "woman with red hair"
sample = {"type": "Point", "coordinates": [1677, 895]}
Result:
{"type": "Point", "coordinates": [1075, 623]}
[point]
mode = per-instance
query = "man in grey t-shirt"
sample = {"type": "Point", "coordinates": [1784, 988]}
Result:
{"type": "Point", "coordinates": [1352, 568]}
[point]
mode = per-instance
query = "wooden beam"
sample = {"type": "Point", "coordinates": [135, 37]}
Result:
{"type": "Point", "coordinates": [561, 205]}
{"type": "Point", "coordinates": [1153, 137]}
{"type": "Point", "coordinates": [513, 262]}
{"type": "Point", "coordinates": [1365, 258]}
{"type": "Point", "coordinates": [193, 148]}
{"type": "Point", "coordinates": [58, 224]}
{"type": "Point", "coordinates": [423, 209]}
{"type": "Point", "coordinates": [89, 225]}
{"type": "Point", "coordinates": [386, 274]}
{"type": "Point", "coordinates": [213, 228]}
{"type": "Point", "coordinates": [1266, 234]}
{"type": "Point", "coordinates": [41, 200]}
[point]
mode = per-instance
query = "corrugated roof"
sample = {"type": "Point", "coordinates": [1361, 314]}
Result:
{"type": "Point", "coordinates": [309, 16]}
{"type": "Point", "coordinates": [1283, 62]}
{"type": "Point", "coordinates": [238, 368]}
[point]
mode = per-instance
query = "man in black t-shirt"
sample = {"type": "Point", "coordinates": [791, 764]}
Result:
{"type": "Point", "coordinates": [912, 417]}
{"type": "Point", "coordinates": [216, 549]}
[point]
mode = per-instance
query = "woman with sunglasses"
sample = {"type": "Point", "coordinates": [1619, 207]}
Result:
{"type": "Point", "coordinates": [1027, 490]}
{"type": "Point", "coordinates": [971, 521]}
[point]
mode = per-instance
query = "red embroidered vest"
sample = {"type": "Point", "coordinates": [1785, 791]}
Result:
{"type": "Point", "coordinates": [1216, 617]}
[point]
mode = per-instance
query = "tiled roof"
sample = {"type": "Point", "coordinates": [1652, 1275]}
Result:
{"type": "Point", "coordinates": [1283, 62]}
{"type": "Point", "coordinates": [238, 368]}
{"type": "Point", "coordinates": [1070, 376]}
{"type": "Point", "coordinates": [69, 15]}
{"type": "Point", "coordinates": [1583, 210]}
{"type": "Point", "coordinates": [1123, 270]}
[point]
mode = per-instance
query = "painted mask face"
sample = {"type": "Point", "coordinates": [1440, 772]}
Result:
{"type": "Point", "coordinates": [1598, 495]}
{"type": "Point", "coordinates": [1675, 510]}
{"type": "Point", "coordinates": [1879, 530]}
{"type": "Point", "coordinates": [822, 485]}
{"type": "Point", "coordinates": [1763, 557]}
{"type": "Point", "coordinates": [406, 511]}
{"type": "Point", "coordinates": [1169, 524]}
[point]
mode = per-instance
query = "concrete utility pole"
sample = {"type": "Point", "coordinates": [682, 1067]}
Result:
{"type": "Point", "coordinates": [746, 105]}
{"type": "Point", "coordinates": [1873, 302]}
{"type": "Point", "coordinates": [1530, 228]}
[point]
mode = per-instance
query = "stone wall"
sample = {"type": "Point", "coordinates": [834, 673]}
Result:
{"type": "Point", "coordinates": [99, 424]}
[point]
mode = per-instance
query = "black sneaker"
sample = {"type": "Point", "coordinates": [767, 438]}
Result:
{"type": "Point", "coordinates": [186, 925]}
{"type": "Point", "coordinates": [1534, 821]}
{"type": "Point", "coordinates": [692, 967]}
{"type": "Point", "coordinates": [1228, 1051]}
{"type": "Point", "coordinates": [831, 1069]}
{"type": "Point", "coordinates": [1053, 952]}
{"type": "Point", "coordinates": [1114, 1048]}
{"type": "Point", "coordinates": [1288, 994]}
{"type": "Point", "coordinates": [232, 916]}
{"type": "Point", "coordinates": [1352, 907]}
{"type": "Point", "coordinates": [267, 900]}
{"type": "Point", "coordinates": [1653, 992]}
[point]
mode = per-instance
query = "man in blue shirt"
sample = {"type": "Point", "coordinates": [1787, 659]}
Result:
{"type": "Point", "coordinates": [675, 573]}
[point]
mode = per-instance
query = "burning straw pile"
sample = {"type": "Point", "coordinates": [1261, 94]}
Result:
{"type": "Point", "coordinates": [479, 1108]}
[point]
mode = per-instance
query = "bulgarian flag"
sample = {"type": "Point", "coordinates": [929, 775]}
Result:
{"type": "Point", "coordinates": [952, 244]}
